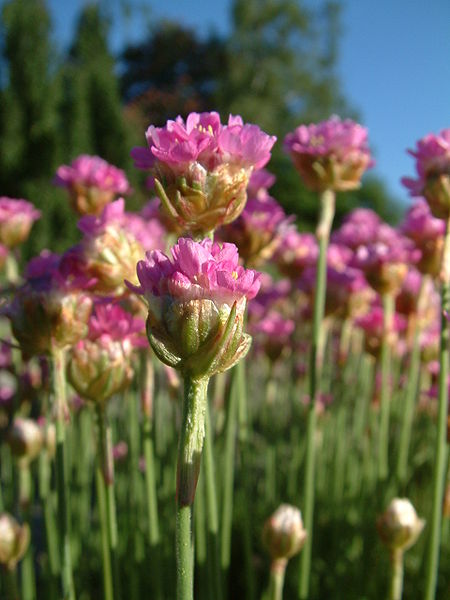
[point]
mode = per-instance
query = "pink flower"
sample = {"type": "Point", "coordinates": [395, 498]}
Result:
{"type": "Point", "coordinates": [111, 320]}
{"type": "Point", "coordinates": [361, 226]}
{"type": "Point", "coordinates": [108, 251]}
{"type": "Point", "coordinates": [198, 270]}
{"type": "Point", "coordinates": [385, 260]}
{"type": "Point", "coordinates": [259, 230]}
{"type": "Point", "coordinates": [295, 252]}
{"type": "Point", "coordinates": [16, 219]}
{"type": "Point", "coordinates": [332, 154]}
{"type": "Point", "coordinates": [373, 326]}
{"type": "Point", "coordinates": [427, 232]}
{"type": "Point", "coordinates": [432, 156]}
{"type": "Point", "coordinates": [196, 299]}
{"type": "Point", "coordinates": [260, 181]}
{"type": "Point", "coordinates": [51, 308]}
{"type": "Point", "coordinates": [92, 183]}
{"type": "Point", "coordinates": [201, 168]}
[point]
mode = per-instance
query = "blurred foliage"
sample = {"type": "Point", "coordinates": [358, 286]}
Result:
{"type": "Point", "coordinates": [276, 67]}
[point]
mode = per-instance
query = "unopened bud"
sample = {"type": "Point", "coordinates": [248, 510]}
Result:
{"type": "Point", "coordinates": [399, 526]}
{"type": "Point", "coordinates": [14, 540]}
{"type": "Point", "coordinates": [25, 439]}
{"type": "Point", "coordinates": [283, 533]}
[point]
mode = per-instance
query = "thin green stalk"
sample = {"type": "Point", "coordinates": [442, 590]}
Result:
{"type": "Point", "coordinates": [205, 590]}
{"type": "Point", "coordinates": [276, 584]}
{"type": "Point", "coordinates": [62, 488]}
{"type": "Point", "coordinates": [107, 468]}
{"type": "Point", "coordinates": [396, 581]}
{"type": "Point", "coordinates": [244, 429]}
{"type": "Point", "coordinates": [211, 508]}
{"type": "Point", "coordinates": [10, 588]}
{"type": "Point", "coordinates": [386, 372]}
{"type": "Point", "coordinates": [106, 554]}
{"type": "Point", "coordinates": [409, 405]}
{"type": "Point", "coordinates": [441, 428]}
{"type": "Point", "coordinates": [28, 585]}
{"type": "Point", "coordinates": [228, 474]}
{"type": "Point", "coordinates": [49, 515]}
{"type": "Point", "coordinates": [327, 201]}
{"type": "Point", "coordinates": [153, 535]}
{"type": "Point", "coordinates": [189, 456]}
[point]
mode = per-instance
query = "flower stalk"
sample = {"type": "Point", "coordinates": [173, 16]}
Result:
{"type": "Point", "coordinates": [327, 201]}
{"type": "Point", "coordinates": [441, 449]}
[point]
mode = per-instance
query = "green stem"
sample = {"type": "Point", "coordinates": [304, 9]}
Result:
{"type": "Point", "coordinates": [396, 582]}
{"type": "Point", "coordinates": [327, 201]}
{"type": "Point", "coordinates": [441, 428]}
{"type": "Point", "coordinates": [228, 474]}
{"type": "Point", "coordinates": [385, 402]}
{"type": "Point", "coordinates": [107, 468]}
{"type": "Point", "coordinates": [211, 508]}
{"type": "Point", "coordinates": [409, 405]}
{"type": "Point", "coordinates": [62, 488]}
{"type": "Point", "coordinates": [153, 534]}
{"type": "Point", "coordinates": [49, 516]}
{"type": "Point", "coordinates": [244, 430]}
{"type": "Point", "coordinates": [25, 500]}
{"type": "Point", "coordinates": [277, 573]}
{"type": "Point", "coordinates": [10, 583]}
{"type": "Point", "coordinates": [189, 456]}
{"type": "Point", "coordinates": [106, 554]}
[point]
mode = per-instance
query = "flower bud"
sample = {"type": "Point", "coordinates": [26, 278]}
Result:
{"type": "Point", "coordinates": [25, 439]}
{"type": "Point", "coordinates": [399, 526]}
{"type": "Point", "coordinates": [283, 533]}
{"type": "Point", "coordinates": [14, 540]}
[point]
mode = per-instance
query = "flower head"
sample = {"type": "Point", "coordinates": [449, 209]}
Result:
{"type": "Point", "coordinates": [51, 308]}
{"type": "Point", "coordinates": [108, 251]}
{"type": "Point", "coordinates": [427, 232]}
{"type": "Point", "coordinates": [332, 154]}
{"type": "Point", "coordinates": [201, 168]}
{"type": "Point", "coordinates": [92, 183]}
{"type": "Point", "coordinates": [399, 526]}
{"type": "Point", "coordinates": [101, 364]}
{"type": "Point", "coordinates": [16, 219]}
{"type": "Point", "coordinates": [432, 156]}
{"type": "Point", "coordinates": [196, 303]}
{"type": "Point", "coordinates": [296, 252]}
{"type": "Point", "coordinates": [284, 534]}
{"type": "Point", "coordinates": [14, 540]}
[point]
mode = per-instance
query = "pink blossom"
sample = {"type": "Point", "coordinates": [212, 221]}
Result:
{"type": "Point", "coordinates": [373, 326]}
{"type": "Point", "coordinates": [16, 219]}
{"type": "Point", "coordinates": [332, 154]}
{"type": "Point", "coordinates": [361, 226]}
{"type": "Point", "coordinates": [198, 270]}
{"type": "Point", "coordinates": [111, 320]}
{"type": "Point", "coordinates": [204, 140]}
{"type": "Point", "coordinates": [259, 229]}
{"type": "Point", "coordinates": [201, 168]}
{"type": "Point", "coordinates": [260, 181]}
{"type": "Point", "coordinates": [432, 156]}
{"type": "Point", "coordinates": [295, 252]}
{"type": "Point", "coordinates": [92, 172]}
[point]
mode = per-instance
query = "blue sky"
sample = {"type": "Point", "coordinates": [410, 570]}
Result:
{"type": "Point", "coordinates": [394, 64]}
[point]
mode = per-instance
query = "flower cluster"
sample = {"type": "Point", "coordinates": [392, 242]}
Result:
{"type": "Point", "coordinates": [201, 168]}
{"type": "Point", "coordinates": [196, 305]}
{"type": "Point", "coordinates": [432, 156]}
{"type": "Point", "coordinates": [92, 183]}
{"type": "Point", "coordinates": [331, 155]}
{"type": "Point", "coordinates": [16, 219]}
